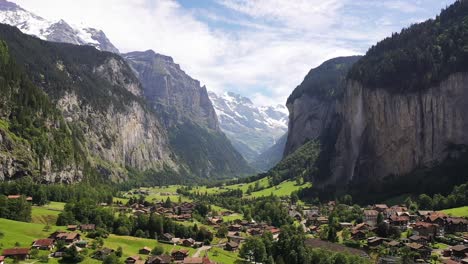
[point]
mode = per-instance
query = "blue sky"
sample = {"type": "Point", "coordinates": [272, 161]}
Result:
{"type": "Point", "coordinates": [261, 49]}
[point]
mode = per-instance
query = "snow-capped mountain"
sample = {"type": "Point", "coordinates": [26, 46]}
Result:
{"type": "Point", "coordinates": [60, 31]}
{"type": "Point", "coordinates": [252, 129]}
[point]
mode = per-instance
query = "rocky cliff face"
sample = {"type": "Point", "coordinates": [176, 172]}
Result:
{"type": "Point", "coordinates": [367, 134]}
{"type": "Point", "coordinates": [313, 104]}
{"type": "Point", "coordinates": [392, 134]}
{"type": "Point", "coordinates": [171, 91]}
{"type": "Point", "coordinates": [122, 135]}
{"type": "Point", "coordinates": [187, 111]}
{"type": "Point", "coordinates": [100, 98]}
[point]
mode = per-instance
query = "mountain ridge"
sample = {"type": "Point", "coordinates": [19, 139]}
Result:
{"type": "Point", "coordinates": [60, 31]}
{"type": "Point", "coordinates": [252, 129]}
{"type": "Point", "coordinates": [187, 112]}
{"type": "Point", "coordinates": [398, 124]}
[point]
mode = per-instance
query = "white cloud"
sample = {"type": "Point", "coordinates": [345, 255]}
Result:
{"type": "Point", "coordinates": [265, 58]}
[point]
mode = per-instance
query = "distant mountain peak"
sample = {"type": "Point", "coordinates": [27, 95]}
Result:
{"type": "Point", "coordinates": [6, 5]}
{"type": "Point", "coordinates": [60, 31]}
{"type": "Point", "coordinates": [252, 129]}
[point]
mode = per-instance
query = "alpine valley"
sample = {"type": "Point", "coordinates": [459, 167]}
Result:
{"type": "Point", "coordinates": [367, 162]}
{"type": "Point", "coordinates": [117, 109]}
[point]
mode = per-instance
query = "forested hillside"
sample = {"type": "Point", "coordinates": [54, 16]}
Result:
{"type": "Point", "coordinates": [420, 56]}
{"type": "Point", "coordinates": [34, 138]}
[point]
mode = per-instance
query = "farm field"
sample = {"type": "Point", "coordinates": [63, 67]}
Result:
{"type": "Point", "coordinates": [23, 233]}
{"type": "Point", "coordinates": [283, 189]}
{"type": "Point", "coordinates": [131, 245]}
{"type": "Point", "coordinates": [156, 194]}
{"type": "Point", "coordinates": [222, 256]}
{"type": "Point", "coordinates": [47, 214]}
{"type": "Point", "coordinates": [458, 212]}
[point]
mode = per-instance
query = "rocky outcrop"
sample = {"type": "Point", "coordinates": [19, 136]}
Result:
{"type": "Point", "coordinates": [387, 133]}
{"type": "Point", "coordinates": [309, 117]}
{"type": "Point", "coordinates": [102, 103]}
{"type": "Point", "coordinates": [169, 90]}
{"type": "Point", "coordinates": [186, 110]}
{"type": "Point", "coordinates": [132, 137]}
{"type": "Point", "coordinates": [313, 104]}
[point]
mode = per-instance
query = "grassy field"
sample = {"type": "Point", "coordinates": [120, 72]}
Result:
{"type": "Point", "coordinates": [41, 215]}
{"type": "Point", "coordinates": [156, 194]}
{"type": "Point", "coordinates": [241, 186]}
{"type": "Point", "coordinates": [131, 245]}
{"type": "Point", "coordinates": [46, 214]}
{"type": "Point", "coordinates": [222, 256]}
{"type": "Point", "coordinates": [283, 189]}
{"type": "Point", "coordinates": [458, 212]}
{"type": "Point", "coordinates": [23, 233]}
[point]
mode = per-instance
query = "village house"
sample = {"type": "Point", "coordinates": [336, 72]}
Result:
{"type": "Point", "coordinates": [16, 253]}
{"type": "Point", "coordinates": [215, 220]}
{"type": "Point", "coordinates": [180, 254]}
{"type": "Point", "coordinates": [459, 251]}
{"type": "Point", "coordinates": [144, 251]}
{"type": "Point", "coordinates": [375, 242]}
{"type": "Point", "coordinates": [234, 233]}
{"type": "Point", "coordinates": [358, 234]}
{"type": "Point", "coordinates": [72, 227]}
{"type": "Point", "coordinates": [456, 225]}
{"type": "Point", "coordinates": [189, 242]}
{"type": "Point", "coordinates": [161, 259]}
{"type": "Point", "coordinates": [380, 207]}
{"type": "Point", "coordinates": [17, 196]}
{"type": "Point", "coordinates": [234, 228]}
{"type": "Point", "coordinates": [134, 260]}
{"type": "Point", "coordinates": [59, 252]}
{"type": "Point", "coordinates": [419, 239]}
{"type": "Point", "coordinates": [68, 237]}
{"type": "Point", "coordinates": [393, 246]}
{"type": "Point", "coordinates": [422, 250]}
{"type": "Point", "coordinates": [255, 231]}
{"type": "Point", "coordinates": [102, 253]}
{"type": "Point", "coordinates": [197, 260]}
{"type": "Point", "coordinates": [423, 213]}
{"type": "Point", "coordinates": [399, 221]}
{"type": "Point", "coordinates": [231, 246]}
{"type": "Point", "coordinates": [321, 220]}
{"type": "Point", "coordinates": [87, 227]}
{"type": "Point", "coordinates": [166, 237]}
{"type": "Point", "coordinates": [370, 217]}
{"type": "Point", "coordinates": [43, 244]}
{"type": "Point", "coordinates": [81, 243]}
{"type": "Point", "coordinates": [437, 218]}
{"type": "Point", "coordinates": [394, 210]}
{"type": "Point", "coordinates": [425, 229]}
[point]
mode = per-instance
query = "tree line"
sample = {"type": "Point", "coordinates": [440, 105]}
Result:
{"type": "Point", "coordinates": [291, 248]}
{"type": "Point", "coordinates": [147, 226]}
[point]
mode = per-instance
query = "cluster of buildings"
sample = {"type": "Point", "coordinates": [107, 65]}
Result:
{"type": "Point", "coordinates": [177, 211]}
{"type": "Point", "coordinates": [176, 256]}
{"type": "Point", "coordinates": [64, 238]}
{"type": "Point", "coordinates": [424, 228]}
{"type": "Point", "coordinates": [73, 237]}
